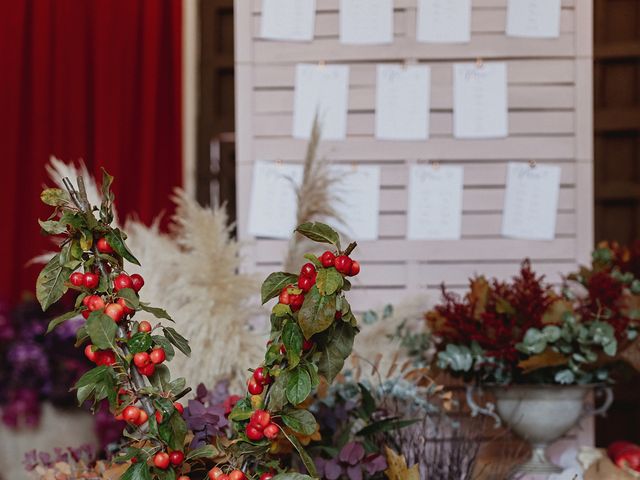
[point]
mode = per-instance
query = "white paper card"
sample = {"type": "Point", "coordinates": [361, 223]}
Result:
{"type": "Point", "coordinates": [402, 102]}
{"type": "Point", "coordinates": [321, 90]}
{"type": "Point", "coordinates": [444, 21]}
{"type": "Point", "coordinates": [480, 100]}
{"type": "Point", "coordinates": [366, 22]}
{"type": "Point", "coordinates": [531, 201]}
{"type": "Point", "coordinates": [435, 203]}
{"type": "Point", "coordinates": [357, 200]}
{"type": "Point", "coordinates": [534, 18]}
{"type": "Point", "coordinates": [272, 211]}
{"type": "Point", "coordinates": [289, 20]}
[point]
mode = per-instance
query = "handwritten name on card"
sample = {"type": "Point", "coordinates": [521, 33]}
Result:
{"type": "Point", "coordinates": [288, 20]}
{"type": "Point", "coordinates": [402, 102]}
{"type": "Point", "coordinates": [272, 211]}
{"type": "Point", "coordinates": [534, 18]}
{"type": "Point", "coordinates": [444, 21]}
{"type": "Point", "coordinates": [435, 203]}
{"type": "Point", "coordinates": [531, 201]}
{"type": "Point", "coordinates": [357, 200]}
{"type": "Point", "coordinates": [366, 22]}
{"type": "Point", "coordinates": [321, 90]}
{"type": "Point", "coordinates": [480, 100]}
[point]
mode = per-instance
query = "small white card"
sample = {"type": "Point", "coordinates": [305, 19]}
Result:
{"type": "Point", "coordinates": [321, 90]}
{"type": "Point", "coordinates": [444, 21]}
{"type": "Point", "coordinates": [435, 203]}
{"type": "Point", "coordinates": [357, 200]}
{"type": "Point", "coordinates": [403, 102]}
{"type": "Point", "coordinates": [366, 22]}
{"type": "Point", "coordinates": [273, 207]}
{"type": "Point", "coordinates": [534, 18]}
{"type": "Point", "coordinates": [288, 20]}
{"type": "Point", "coordinates": [480, 100]}
{"type": "Point", "coordinates": [531, 201]}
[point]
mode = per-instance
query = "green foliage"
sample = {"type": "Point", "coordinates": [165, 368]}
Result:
{"type": "Point", "coordinates": [51, 283]}
{"type": "Point", "coordinates": [274, 283]}
{"type": "Point", "coordinates": [319, 232]}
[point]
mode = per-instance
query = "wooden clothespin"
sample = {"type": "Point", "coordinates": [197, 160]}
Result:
{"type": "Point", "coordinates": [479, 62]}
{"type": "Point", "coordinates": [533, 163]}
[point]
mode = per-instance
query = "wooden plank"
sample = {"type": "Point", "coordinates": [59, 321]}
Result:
{"type": "Point", "coordinates": [531, 97]}
{"type": "Point", "coordinates": [441, 123]}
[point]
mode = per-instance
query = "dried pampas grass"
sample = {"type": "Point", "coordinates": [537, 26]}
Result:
{"type": "Point", "coordinates": [315, 200]}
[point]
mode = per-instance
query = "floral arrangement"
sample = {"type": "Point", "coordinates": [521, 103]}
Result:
{"type": "Point", "coordinates": [312, 333]}
{"type": "Point", "coordinates": [524, 332]}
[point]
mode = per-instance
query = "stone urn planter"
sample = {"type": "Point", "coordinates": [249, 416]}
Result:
{"type": "Point", "coordinates": [540, 414]}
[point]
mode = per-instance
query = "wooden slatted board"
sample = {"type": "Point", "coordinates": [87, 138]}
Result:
{"type": "Point", "coordinates": [550, 121]}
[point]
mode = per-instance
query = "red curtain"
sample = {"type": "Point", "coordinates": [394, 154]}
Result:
{"type": "Point", "coordinates": [98, 80]}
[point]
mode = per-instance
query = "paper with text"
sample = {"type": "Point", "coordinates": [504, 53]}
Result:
{"type": "Point", "coordinates": [403, 102]}
{"type": "Point", "coordinates": [435, 202]}
{"type": "Point", "coordinates": [366, 22]}
{"type": "Point", "coordinates": [534, 18]}
{"type": "Point", "coordinates": [444, 21]}
{"type": "Point", "coordinates": [272, 211]}
{"type": "Point", "coordinates": [480, 100]}
{"type": "Point", "coordinates": [288, 20]}
{"type": "Point", "coordinates": [531, 201]}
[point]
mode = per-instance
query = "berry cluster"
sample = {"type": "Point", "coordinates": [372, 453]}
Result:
{"type": "Point", "coordinates": [216, 473]}
{"type": "Point", "coordinates": [260, 426]}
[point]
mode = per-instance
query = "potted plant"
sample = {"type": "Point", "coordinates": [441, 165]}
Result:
{"type": "Point", "coordinates": [539, 352]}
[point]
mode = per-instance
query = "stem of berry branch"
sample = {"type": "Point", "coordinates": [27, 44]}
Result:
{"type": "Point", "coordinates": [82, 204]}
{"type": "Point", "coordinates": [350, 248]}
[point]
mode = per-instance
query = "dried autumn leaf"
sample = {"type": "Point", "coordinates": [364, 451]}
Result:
{"type": "Point", "coordinates": [397, 467]}
{"type": "Point", "coordinates": [555, 312]}
{"type": "Point", "coordinates": [478, 296]}
{"type": "Point", "coordinates": [548, 358]}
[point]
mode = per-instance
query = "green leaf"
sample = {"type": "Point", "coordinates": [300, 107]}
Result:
{"type": "Point", "coordinates": [97, 382]}
{"type": "Point", "coordinates": [128, 454]}
{"type": "Point", "coordinates": [137, 471]}
{"type": "Point", "coordinates": [102, 330]}
{"type": "Point", "coordinates": [130, 297]}
{"type": "Point", "coordinates": [177, 340]}
{"type": "Point", "coordinates": [206, 451]}
{"type": "Point", "coordinates": [304, 456]}
{"type": "Point", "coordinates": [155, 311]}
{"type": "Point", "coordinates": [386, 425]}
{"type": "Point", "coordinates": [61, 319]}
{"type": "Point", "coordinates": [368, 402]}
{"type": "Point", "coordinates": [281, 310]}
{"type": "Point", "coordinates": [242, 410]}
{"type": "Point", "coordinates": [114, 237]}
{"type": "Point", "coordinates": [565, 377]}
{"type": "Point", "coordinates": [317, 313]}
{"type": "Point", "coordinates": [164, 406]}
{"type": "Point", "coordinates": [178, 385]}
{"type": "Point", "coordinates": [161, 378]}
{"type": "Point", "coordinates": [52, 227]}
{"type": "Point", "coordinates": [139, 342]}
{"type": "Point", "coordinates": [81, 336]}
{"type": "Point", "coordinates": [274, 283]}
{"type": "Point", "coordinates": [50, 286]}
{"type": "Point", "coordinates": [298, 386]}
{"type": "Point", "coordinates": [165, 344]}
{"type": "Point", "coordinates": [328, 281]}
{"type": "Point", "coordinates": [293, 340]}
{"type": "Point", "coordinates": [312, 368]}
{"type": "Point", "coordinates": [313, 259]}
{"type": "Point", "coordinates": [54, 197]}
{"type": "Point", "coordinates": [319, 232]}
{"type": "Point", "coordinates": [336, 350]}
{"type": "Point", "coordinates": [301, 421]}
{"type": "Point", "coordinates": [173, 432]}
{"type": "Point", "coordinates": [277, 392]}
{"type": "Point", "coordinates": [74, 220]}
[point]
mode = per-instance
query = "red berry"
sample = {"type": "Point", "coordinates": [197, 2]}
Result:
{"type": "Point", "coordinates": [285, 296]}
{"type": "Point", "coordinates": [307, 345]}
{"type": "Point", "coordinates": [161, 460]}
{"type": "Point", "coordinates": [123, 303]}
{"type": "Point", "coordinates": [343, 264]}
{"type": "Point", "coordinates": [115, 311]}
{"type": "Point", "coordinates": [271, 431]}
{"type": "Point", "coordinates": [338, 315]}
{"type": "Point", "coordinates": [89, 353]}
{"type": "Point", "coordinates": [148, 370]}
{"type": "Point", "coordinates": [254, 387]}
{"type": "Point", "coordinates": [143, 418]}
{"type": "Point", "coordinates": [262, 376]}
{"type": "Point", "coordinates": [224, 476]}
{"type": "Point", "coordinates": [144, 327]}
{"type": "Point", "coordinates": [105, 357]}
{"type": "Point", "coordinates": [296, 302]}
{"type": "Point", "coordinates": [237, 475]}
{"type": "Point", "coordinates": [77, 279]}
{"type": "Point", "coordinates": [260, 419]}
{"type": "Point", "coordinates": [283, 350]}
{"type": "Point", "coordinates": [103, 246]}
{"type": "Point", "coordinates": [266, 476]}
{"type": "Point", "coordinates": [157, 355]}
{"type": "Point", "coordinates": [158, 417]}
{"type": "Point", "coordinates": [307, 270]}
{"type": "Point", "coordinates": [327, 259]}
{"type": "Point", "coordinates": [141, 359]}
{"type": "Point", "coordinates": [305, 283]}
{"type": "Point", "coordinates": [95, 303]}
{"type": "Point", "coordinates": [86, 300]}
{"type": "Point", "coordinates": [91, 280]}
{"type": "Point", "coordinates": [176, 457]}
{"type": "Point", "coordinates": [215, 473]}
{"type": "Point", "coordinates": [86, 313]}
{"type": "Point", "coordinates": [137, 282]}
{"type": "Point", "coordinates": [178, 406]}
{"type": "Point", "coordinates": [131, 414]}
{"type": "Point", "coordinates": [122, 281]}
{"type": "Point", "coordinates": [253, 433]}
{"type": "Point", "coordinates": [355, 269]}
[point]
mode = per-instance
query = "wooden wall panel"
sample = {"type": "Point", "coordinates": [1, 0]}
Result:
{"type": "Point", "coordinates": [549, 122]}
